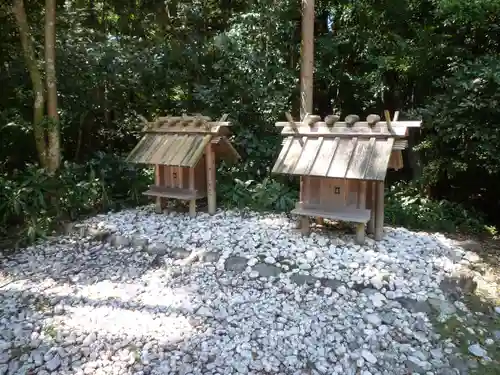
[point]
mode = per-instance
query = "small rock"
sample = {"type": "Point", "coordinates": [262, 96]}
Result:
{"type": "Point", "coordinates": [388, 318]}
{"type": "Point", "coordinates": [310, 255]}
{"type": "Point", "coordinates": [90, 339]}
{"type": "Point", "coordinates": [253, 274]}
{"type": "Point", "coordinates": [416, 365]}
{"type": "Point", "coordinates": [204, 311]}
{"type": "Point", "coordinates": [368, 356]}
{"type": "Point", "coordinates": [377, 299]}
{"type": "Point", "coordinates": [4, 357]}
{"type": "Point", "coordinates": [53, 364]}
{"type": "Point", "coordinates": [373, 319]}
{"type": "Point", "coordinates": [270, 260]}
{"type": "Point", "coordinates": [496, 335]}
{"type": "Point", "coordinates": [342, 290]}
{"type": "Point", "coordinates": [477, 350]}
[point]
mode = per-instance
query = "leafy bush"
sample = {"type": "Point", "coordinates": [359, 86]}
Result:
{"type": "Point", "coordinates": [268, 195]}
{"type": "Point", "coordinates": [407, 206]}
{"type": "Point", "coordinates": [35, 202]}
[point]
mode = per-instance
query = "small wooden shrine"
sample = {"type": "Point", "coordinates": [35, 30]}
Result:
{"type": "Point", "coordinates": [343, 167]}
{"type": "Point", "coordinates": [184, 151]}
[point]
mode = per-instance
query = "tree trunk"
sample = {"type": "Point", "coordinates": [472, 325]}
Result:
{"type": "Point", "coordinates": [53, 128]}
{"type": "Point", "coordinates": [307, 55]}
{"type": "Point", "coordinates": [36, 78]}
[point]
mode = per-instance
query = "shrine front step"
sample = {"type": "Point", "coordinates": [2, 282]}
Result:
{"type": "Point", "coordinates": [359, 216]}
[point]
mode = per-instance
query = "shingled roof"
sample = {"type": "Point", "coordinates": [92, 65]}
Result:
{"type": "Point", "coordinates": [357, 151]}
{"type": "Point", "coordinates": [180, 141]}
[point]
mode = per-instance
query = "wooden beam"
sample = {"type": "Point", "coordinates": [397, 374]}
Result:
{"type": "Point", "coordinates": [379, 214]}
{"type": "Point", "coordinates": [359, 124]}
{"type": "Point", "coordinates": [210, 172]}
{"type": "Point", "coordinates": [192, 202]}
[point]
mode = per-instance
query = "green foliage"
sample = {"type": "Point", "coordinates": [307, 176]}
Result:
{"type": "Point", "coordinates": [437, 60]}
{"type": "Point", "coordinates": [35, 202]}
{"type": "Point", "coordinates": [268, 195]}
{"type": "Point", "coordinates": [464, 136]}
{"type": "Point", "coordinates": [407, 206]}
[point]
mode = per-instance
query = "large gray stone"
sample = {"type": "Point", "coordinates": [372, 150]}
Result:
{"type": "Point", "coordinates": [157, 249]}
{"type": "Point", "coordinates": [179, 253]}
{"type": "Point", "coordinates": [267, 270]}
{"type": "Point", "coordinates": [414, 305]}
{"type": "Point", "coordinates": [98, 234]}
{"type": "Point", "coordinates": [330, 283]}
{"type": "Point", "coordinates": [442, 306]}
{"type": "Point", "coordinates": [209, 256]}
{"type": "Point", "coordinates": [414, 364]}
{"type": "Point", "coordinates": [235, 264]}
{"type": "Point", "coordinates": [303, 279]}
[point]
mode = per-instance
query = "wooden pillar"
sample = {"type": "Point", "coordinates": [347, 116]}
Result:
{"type": "Point", "coordinates": [379, 208]}
{"type": "Point", "coordinates": [192, 202]}
{"type": "Point", "coordinates": [180, 177]}
{"type": "Point", "coordinates": [210, 169]}
{"type": "Point", "coordinates": [159, 175]}
{"type": "Point", "coordinates": [361, 203]}
{"type": "Point", "coordinates": [371, 205]}
{"type": "Point", "coordinates": [306, 74]}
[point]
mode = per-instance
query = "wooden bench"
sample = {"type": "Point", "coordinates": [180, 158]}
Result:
{"type": "Point", "coordinates": [175, 193]}
{"type": "Point", "coordinates": [359, 216]}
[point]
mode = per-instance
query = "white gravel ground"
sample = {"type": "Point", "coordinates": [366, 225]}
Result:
{"type": "Point", "coordinates": [228, 294]}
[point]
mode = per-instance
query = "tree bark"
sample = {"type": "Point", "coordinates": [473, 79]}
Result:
{"type": "Point", "coordinates": [307, 55]}
{"type": "Point", "coordinates": [35, 76]}
{"type": "Point", "coordinates": [53, 128]}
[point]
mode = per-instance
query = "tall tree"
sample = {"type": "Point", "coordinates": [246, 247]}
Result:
{"type": "Point", "coordinates": [53, 128]}
{"type": "Point", "coordinates": [307, 55]}
{"type": "Point", "coordinates": [31, 61]}
{"type": "Point", "coordinates": [47, 138]}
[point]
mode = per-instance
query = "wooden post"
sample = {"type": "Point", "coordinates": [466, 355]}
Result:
{"type": "Point", "coordinates": [307, 73]}
{"type": "Point", "coordinates": [210, 171]}
{"type": "Point", "coordinates": [360, 228]}
{"type": "Point", "coordinates": [304, 225]}
{"type": "Point", "coordinates": [159, 172]}
{"type": "Point", "coordinates": [192, 202]}
{"type": "Point", "coordinates": [371, 205]}
{"type": "Point", "coordinates": [379, 214]}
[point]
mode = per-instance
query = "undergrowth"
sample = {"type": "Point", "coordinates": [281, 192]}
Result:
{"type": "Point", "coordinates": [406, 206]}
{"type": "Point", "coordinates": [33, 203]}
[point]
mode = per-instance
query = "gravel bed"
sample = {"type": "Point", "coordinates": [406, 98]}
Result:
{"type": "Point", "coordinates": [233, 293]}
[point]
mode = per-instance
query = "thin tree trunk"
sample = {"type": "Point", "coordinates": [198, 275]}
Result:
{"type": "Point", "coordinates": [36, 78]}
{"type": "Point", "coordinates": [53, 129]}
{"type": "Point", "coordinates": [307, 64]}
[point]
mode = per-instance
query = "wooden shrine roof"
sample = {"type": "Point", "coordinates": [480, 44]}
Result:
{"type": "Point", "coordinates": [181, 141]}
{"type": "Point", "coordinates": [354, 151]}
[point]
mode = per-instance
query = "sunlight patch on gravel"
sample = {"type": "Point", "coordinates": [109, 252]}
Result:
{"type": "Point", "coordinates": [229, 294]}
